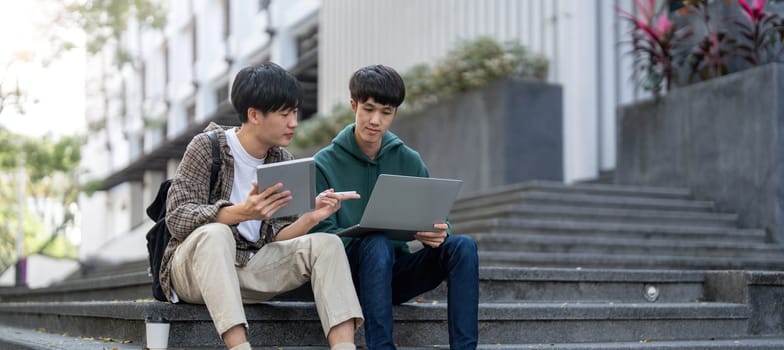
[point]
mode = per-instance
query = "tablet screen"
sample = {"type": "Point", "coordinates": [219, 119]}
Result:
{"type": "Point", "coordinates": [297, 176]}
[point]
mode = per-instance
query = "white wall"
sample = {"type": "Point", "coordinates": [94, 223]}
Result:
{"type": "Point", "coordinates": [578, 37]}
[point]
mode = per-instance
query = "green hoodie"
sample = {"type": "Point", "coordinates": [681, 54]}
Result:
{"type": "Point", "coordinates": [344, 167]}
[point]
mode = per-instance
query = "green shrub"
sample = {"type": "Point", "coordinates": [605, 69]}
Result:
{"type": "Point", "coordinates": [471, 65]}
{"type": "Point", "coordinates": [320, 130]}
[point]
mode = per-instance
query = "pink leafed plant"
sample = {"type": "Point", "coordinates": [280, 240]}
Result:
{"type": "Point", "coordinates": [760, 32]}
{"type": "Point", "coordinates": [654, 36]}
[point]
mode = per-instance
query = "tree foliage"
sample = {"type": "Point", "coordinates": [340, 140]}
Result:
{"type": "Point", "coordinates": [105, 21]}
{"type": "Point", "coordinates": [51, 166]}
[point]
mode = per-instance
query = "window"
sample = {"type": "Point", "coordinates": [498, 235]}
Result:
{"type": "Point", "coordinates": [264, 5]}
{"type": "Point", "coordinates": [194, 40]}
{"type": "Point", "coordinates": [226, 19]}
{"type": "Point", "coordinates": [166, 64]}
{"type": "Point", "coordinates": [143, 77]}
{"type": "Point", "coordinates": [307, 42]}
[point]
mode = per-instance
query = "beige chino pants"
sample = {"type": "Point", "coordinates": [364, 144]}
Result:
{"type": "Point", "coordinates": [203, 272]}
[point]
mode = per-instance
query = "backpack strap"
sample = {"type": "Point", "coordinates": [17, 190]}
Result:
{"type": "Point", "coordinates": [216, 159]}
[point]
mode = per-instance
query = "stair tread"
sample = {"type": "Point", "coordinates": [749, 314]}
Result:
{"type": "Point", "coordinates": [647, 242]}
{"type": "Point", "coordinates": [596, 211]}
{"type": "Point", "coordinates": [726, 344]}
{"type": "Point", "coordinates": [277, 310]}
{"type": "Point", "coordinates": [22, 338]}
{"type": "Point", "coordinates": [511, 278]}
{"type": "Point", "coordinates": [581, 198]}
{"type": "Point", "coordinates": [623, 260]}
{"type": "Point", "coordinates": [591, 188]}
{"type": "Point", "coordinates": [586, 226]}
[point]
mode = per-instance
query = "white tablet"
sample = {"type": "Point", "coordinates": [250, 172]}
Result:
{"type": "Point", "coordinates": [297, 176]}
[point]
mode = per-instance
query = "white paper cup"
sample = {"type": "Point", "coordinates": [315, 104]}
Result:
{"type": "Point", "coordinates": [157, 334]}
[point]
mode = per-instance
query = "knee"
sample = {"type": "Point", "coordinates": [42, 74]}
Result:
{"type": "Point", "coordinates": [461, 246]}
{"type": "Point", "coordinates": [376, 246]}
{"type": "Point", "coordinates": [325, 244]}
{"type": "Point", "coordinates": [326, 240]}
{"type": "Point", "coordinates": [213, 236]}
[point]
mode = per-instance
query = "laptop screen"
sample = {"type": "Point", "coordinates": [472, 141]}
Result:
{"type": "Point", "coordinates": [409, 202]}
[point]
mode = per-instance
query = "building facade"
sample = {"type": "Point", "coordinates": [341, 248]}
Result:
{"type": "Point", "coordinates": [142, 115]}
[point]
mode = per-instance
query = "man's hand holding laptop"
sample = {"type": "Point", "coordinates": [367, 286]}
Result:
{"type": "Point", "coordinates": [433, 239]}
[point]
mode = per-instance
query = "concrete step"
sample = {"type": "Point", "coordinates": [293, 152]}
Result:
{"type": "Point", "coordinates": [582, 214]}
{"type": "Point", "coordinates": [626, 261]}
{"type": "Point", "coordinates": [497, 284]}
{"type": "Point", "coordinates": [512, 284]}
{"type": "Point", "coordinates": [590, 189]}
{"type": "Point", "coordinates": [127, 286]}
{"type": "Point", "coordinates": [650, 344]}
{"type": "Point", "coordinates": [608, 229]}
{"type": "Point", "coordinates": [296, 323]}
{"type": "Point", "coordinates": [558, 243]}
{"type": "Point", "coordinates": [505, 284]}
{"type": "Point", "coordinates": [538, 197]}
{"type": "Point", "coordinates": [14, 338]}
{"type": "Point", "coordinates": [94, 269]}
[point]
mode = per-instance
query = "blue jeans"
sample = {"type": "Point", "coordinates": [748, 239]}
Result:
{"type": "Point", "coordinates": [384, 276]}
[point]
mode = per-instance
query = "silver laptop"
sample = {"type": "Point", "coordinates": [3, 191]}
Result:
{"type": "Point", "coordinates": [401, 206]}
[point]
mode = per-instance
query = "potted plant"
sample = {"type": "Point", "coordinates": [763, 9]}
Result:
{"type": "Point", "coordinates": [720, 131]}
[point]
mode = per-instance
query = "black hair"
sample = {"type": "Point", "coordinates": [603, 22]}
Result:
{"type": "Point", "coordinates": [382, 83]}
{"type": "Point", "coordinates": [266, 87]}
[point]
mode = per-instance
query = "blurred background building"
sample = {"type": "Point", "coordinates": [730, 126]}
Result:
{"type": "Point", "coordinates": [142, 116]}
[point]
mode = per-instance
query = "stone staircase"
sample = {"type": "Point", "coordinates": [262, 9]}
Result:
{"type": "Point", "coordinates": [590, 266]}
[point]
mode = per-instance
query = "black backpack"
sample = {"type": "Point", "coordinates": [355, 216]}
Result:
{"type": "Point", "coordinates": [158, 236]}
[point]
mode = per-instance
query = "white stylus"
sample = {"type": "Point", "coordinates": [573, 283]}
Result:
{"type": "Point", "coordinates": [339, 193]}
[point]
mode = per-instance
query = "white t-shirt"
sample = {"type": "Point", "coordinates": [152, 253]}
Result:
{"type": "Point", "coordinates": [244, 173]}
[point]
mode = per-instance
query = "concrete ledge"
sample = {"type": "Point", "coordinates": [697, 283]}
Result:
{"type": "Point", "coordinates": [763, 291]}
{"type": "Point", "coordinates": [721, 138]}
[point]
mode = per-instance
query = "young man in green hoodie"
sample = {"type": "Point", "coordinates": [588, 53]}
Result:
{"type": "Point", "coordinates": [385, 272]}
